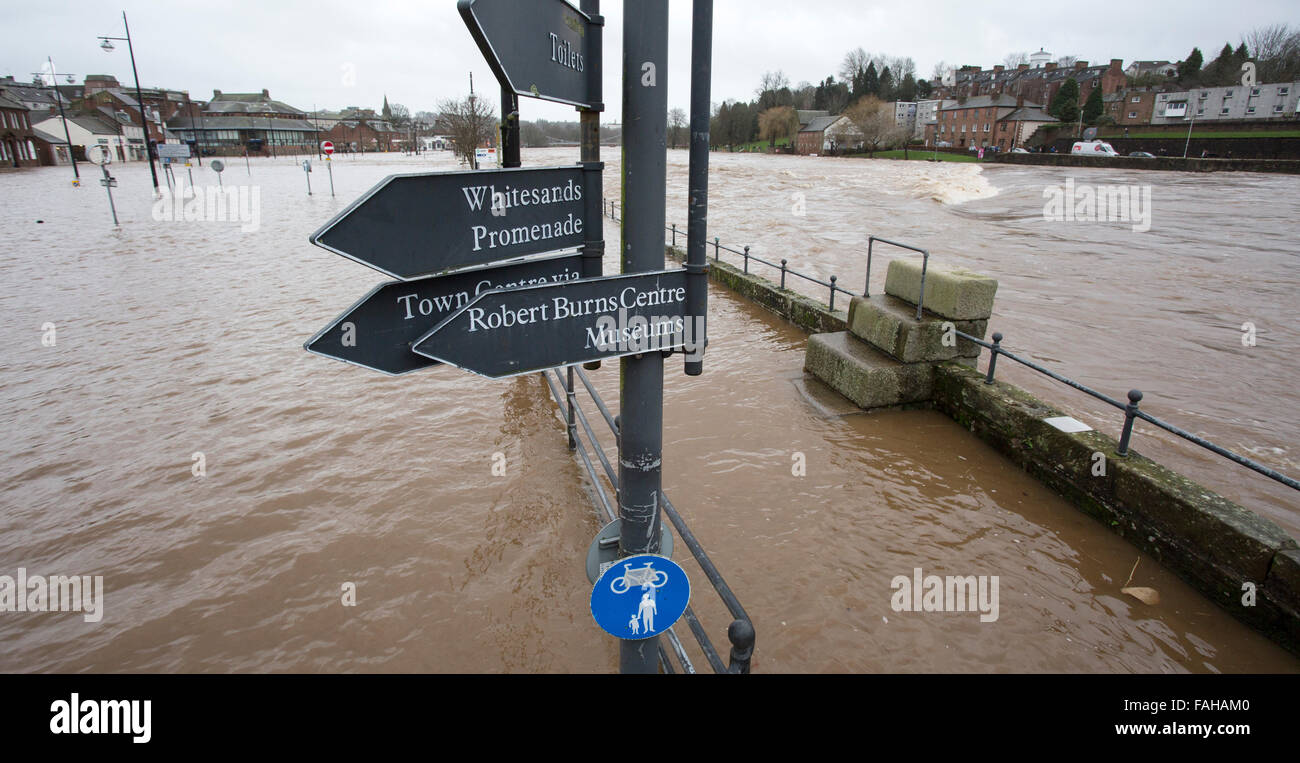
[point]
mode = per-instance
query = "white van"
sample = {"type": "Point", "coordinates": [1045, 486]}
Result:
{"type": "Point", "coordinates": [1093, 148]}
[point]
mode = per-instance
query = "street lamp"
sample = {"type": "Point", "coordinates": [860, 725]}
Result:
{"type": "Point", "coordinates": [107, 45]}
{"type": "Point", "coordinates": [54, 88]}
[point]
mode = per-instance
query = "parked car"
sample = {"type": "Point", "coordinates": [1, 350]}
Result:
{"type": "Point", "coordinates": [1093, 148]}
{"type": "Point", "coordinates": [1142, 155]}
{"type": "Point", "coordinates": [943, 144]}
{"type": "Point", "coordinates": [1019, 151]}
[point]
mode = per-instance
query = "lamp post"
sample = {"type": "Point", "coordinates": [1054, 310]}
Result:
{"type": "Point", "coordinates": [198, 141]}
{"type": "Point", "coordinates": [107, 45]}
{"type": "Point", "coordinates": [1191, 120]}
{"type": "Point", "coordinates": [58, 99]}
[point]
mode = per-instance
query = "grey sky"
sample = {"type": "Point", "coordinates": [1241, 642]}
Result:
{"type": "Point", "coordinates": [418, 51]}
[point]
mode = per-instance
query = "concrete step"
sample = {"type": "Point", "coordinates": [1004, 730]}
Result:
{"type": "Point", "coordinates": [889, 324]}
{"type": "Point", "coordinates": [954, 293]}
{"type": "Point", "coordinates": [865, 375]}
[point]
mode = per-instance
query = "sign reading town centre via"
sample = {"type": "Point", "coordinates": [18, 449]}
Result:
{"type": "Point", "coordinates": [425, 223]}
{"type": "Point", "coordinates": [377, 331]}
{"type": "Point", "coordinates": [508, 333]}
{"type": "Point", "coordinates": [538, 48]}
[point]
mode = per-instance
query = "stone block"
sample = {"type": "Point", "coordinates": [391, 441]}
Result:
{"type": "Point", "coordinates": [889, 324]}
{"type": "Point", "coordinates": [865, 375]}
{"type": "Point", "coordinates": [952, 293]}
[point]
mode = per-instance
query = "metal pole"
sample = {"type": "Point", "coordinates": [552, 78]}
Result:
{"type": "Point", "coordinates": [67, 135]}
{"type": "Point", "coordinates": [593, 221]}
{"type": "Point", "coordinates": [108, 186]}
{"type": "Point", "coordinates": [330, 165]}
{"type": "Point", "coordinates": [144, 120]}
{"type": "Point", "coordinates": [645, 124]}
{"type": "Point", "coordinates": [509, 128]}
{"type": "Point", "coordinates": [1190, 122]}
{"type": "Point", "coordinates": [697, 259]}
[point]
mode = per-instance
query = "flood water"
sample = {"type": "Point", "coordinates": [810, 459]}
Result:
{"type": "Point", "coordinates": [182, 338]}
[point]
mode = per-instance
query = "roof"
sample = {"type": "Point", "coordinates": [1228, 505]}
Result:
{"type": "Point", "coordinates": [49, 137]}
{"type": "Point", "coordinates": [238, 122]}
{"type": "Point", "coordinates": [982, 101]}
{"type": "Point", "coordinates": [9, 103]}
{"type": "Point", "coordinates": [820, 124]}
{"type": "Point", "coordinates": [1029, 114]}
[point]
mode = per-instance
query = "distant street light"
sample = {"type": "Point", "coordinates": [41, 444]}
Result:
{"type": "Point", "coordinates": [108, 47]}
{"type": "Point", "coordinates": [58, 99]}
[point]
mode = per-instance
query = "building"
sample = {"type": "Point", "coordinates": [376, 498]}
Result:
{"type": "Point", "coordinates": [1130, 107]}
{"type": "Point", "coordinates": [927, 113]}
{"type": "Point", "coordinates": [1143, 68]}
{"type": "Point", "coordinates": [1014, 130]}
{"type": "Point", "coordinates": [232, 123]}
{"type": "Point", "coordinates": [52, 149]}
{"type": "Point", "coordinates": [39, 99]}
{"type": "Point", "coordinates": [367, 134]}
{"type": "Point", "coordinates": [987, 120]}
{"type": "Point", "coordinates": [1037, 84]}
{"type": "Point", "coordinates": [814, 138]}
{"type": "Point", "coordinates": [123, 139]}
{"type": "Point", "coordinates": [17, 140]}
{"type": "Point", "coordinates": [905, 115]}
{"type": "Point", "coordinates": [1261, 102]}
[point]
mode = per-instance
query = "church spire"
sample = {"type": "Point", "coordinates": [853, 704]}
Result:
{"type": "Point", "coordinates": [388, 113]}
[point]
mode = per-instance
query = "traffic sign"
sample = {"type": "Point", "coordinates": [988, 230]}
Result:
{"type": "Point", "coordinates": [419, 224]}
{"type": "Point", "coordinates": [640, 596]}
{"type": "Point", "coordinates": [538, 49]}
{"type": "Point", "coordinates": [377, 331]}
{"type": "Point", "coordinates": [508, 333]}
{"type": "Point", "coordinates": [327, 147]}
{"type": "Point", "coordinates": [173, 151]}
{"type": "Point", "coordinates": [217, 165]}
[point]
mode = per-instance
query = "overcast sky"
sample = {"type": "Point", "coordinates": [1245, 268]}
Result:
{"type": "Point", "coordinates": [329, 54]}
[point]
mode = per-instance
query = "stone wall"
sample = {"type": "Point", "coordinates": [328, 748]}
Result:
{"type": "Point", "coordinates": [1175, 163]}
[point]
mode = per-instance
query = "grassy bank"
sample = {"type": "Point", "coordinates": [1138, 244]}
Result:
{"type": "Point", "coordinates": [921, 154]}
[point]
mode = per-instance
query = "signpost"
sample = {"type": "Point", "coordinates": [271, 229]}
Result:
{"type": "Point", "coordinates": [539, 48]}
{"type": "Point", "coordinates": [328, 148]}
{"type": "Point", "coordinates": [508, 333]}
{"type": "Point", "coordinates": [420, 224]}
{"type": "Point", "coordinates": [640, 597]}
{"type": "Point", "coordinates": [218, 167]}
{"type": "Point", "coordinates": [103, 156]}
{"type": "Point", "coordinates": [377, 332]}
{"type": "Point", "coordinates": [306, 170]}
{"type": "Point", "coordinates": [173, 151]}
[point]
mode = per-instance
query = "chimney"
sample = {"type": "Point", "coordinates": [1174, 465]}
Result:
{"type": "Point", "coordinates": [1022, 67]}
{"type": "Point", "coordinates": [1020, 101]}
{"type": "Point", "coordinates": [1080, 65]}
{"type": "Point", "coordinates": [998, 69]}
{"type": "Point", "coordinates": [1050, 66]}
{"type": "Point", "coordinates": [216, 94]}
{"type": "Point", "coordinates": [266, 94]}
{"type": "Point", "coordinates": [1116, 64]}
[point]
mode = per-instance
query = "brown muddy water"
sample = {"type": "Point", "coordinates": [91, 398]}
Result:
{"type": "Point", "coordinates": [176, 338]}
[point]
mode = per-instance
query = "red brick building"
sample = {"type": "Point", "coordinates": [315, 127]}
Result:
{"type": "Point", "coordinates": [1035, 84]}
{"type": "Point", "coordinates": [17, 139]}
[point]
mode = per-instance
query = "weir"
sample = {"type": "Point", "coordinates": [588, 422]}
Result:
{"type": "Point", "coordinates": [917, 345]}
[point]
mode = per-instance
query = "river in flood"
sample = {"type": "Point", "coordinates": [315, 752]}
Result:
{"type": "Point", "coordinates": [174, 339]}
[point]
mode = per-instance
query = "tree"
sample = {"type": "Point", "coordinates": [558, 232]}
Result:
{"type": "Point", "coordinates": [873, 124]}
{"type": "Point", "coordinates": [777, 123]}
{"type": "Point", "coordinates": [924, 89]}
{"type": "Point", "coordinates": [1277, 53]}
{"type": "Point", "coordinates": [677, 122]}
{"type": "Point", "coordinates": [1093, 107]}
{"type": "Point", "coordinates": [869, 82]}
{"type": "Point", "coordinates": [398, 115]}
{"type": "Point", "coordinates": [855, 63]}
{"type": "Point", "coordinates": [470, 122]}
{"type": "Point", "coordinates": [1066, 61]}
{"type": "Point", "coordinates": [1065, 106]}
{"type": "Point", "coordinates": [1014, 60]}
{"type": "Point", "coordinates": [886, 92]}
{"type": "Point", "coordinates": [907, 88]}
{"type": "Point", "coordinates": [1223, 70]}
{"type": "Point", "coordinates": [1191, 67]}
{"type": "Point", "coordinates": [939, 74]}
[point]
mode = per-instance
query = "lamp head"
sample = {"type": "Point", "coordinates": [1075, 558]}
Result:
{"type": "Point", "coordinates": [107, 45]}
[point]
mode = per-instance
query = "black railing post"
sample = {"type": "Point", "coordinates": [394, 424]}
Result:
{"type": "Point", "coordinates": [569, 415]}
{"type": "Point", "coordinates": [674, 235]}
{"type": "Point", "coordinates": [993, 356]}
{"type": "Point", "coordinates": [1130, 413]}
{"type": "Point", "coordinates": [832, 305]}
{"type": "Point", "coordinates": [717, 249]}
{"type": "Point", "coordinates": [741, 635]}
{"type": "Point", "coordinates": [783, 272]}
{"type": "Point", "coordinates": [746, 259]}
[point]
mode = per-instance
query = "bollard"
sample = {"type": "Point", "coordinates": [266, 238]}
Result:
{"type": "Point", "coordinates": [1130, 413]}
{"type": "Point", "coordinates": [993, 357]}
{"type": "Point", "coordinates": [741, 635]}
{"type": "Point", "coordinates": [832, 305]}
{"type": "Point", "coordinates": [746, 259]}
{"type": "Point", "coordinates": [783, 272]}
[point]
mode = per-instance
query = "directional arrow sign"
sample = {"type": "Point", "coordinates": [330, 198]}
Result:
{"type": "Point", "coordinates": [508, 333]}
{"type": "Point", "coordinates": [537, 48]}
{"type": "Point", "coordinates": [377, 331]}
{"type": "Point", "coordinates": [421, 224]}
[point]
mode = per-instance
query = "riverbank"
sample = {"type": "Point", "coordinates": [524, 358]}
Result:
{"type": "Point", "coordinates": [1167, 163]}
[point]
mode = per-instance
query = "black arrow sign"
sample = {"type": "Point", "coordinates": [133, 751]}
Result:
{"type": "Point", "coordinates": [539, 48]}
{"type": "Point", "coordinates": [508, 333]}
{"type": "Point", "coordinates": [421, 224]}
{"type": "Point", "coordinates": [377, 331]}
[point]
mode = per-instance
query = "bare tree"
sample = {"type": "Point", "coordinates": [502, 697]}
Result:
{"type": "Point", "coordinates": [855, 63]}
{"type": "Point", "coordinates": [1066, 61]}
{"type": "Point", "coordinates": [772, 81]}
{"type": "Point", "coordinates": [940, 74]}
{"type": "Point", "coordinates": [677, 121]}
{"type": "Point", "coordinates": [471, 123]}
{"type": "Point", "coordinates": [1014, 60]}
{"type": "Point", "coordinates": [873, 123]}
{"type": "Point", "coordinates": [1276, 50]}
{"type": "Point", "coordinates": [401, 114]}
{"type": "Point", "coordinates": [777, 123]}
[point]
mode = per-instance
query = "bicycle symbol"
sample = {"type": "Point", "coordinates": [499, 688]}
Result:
{"type": "Point", "coordinates": [646, 577]}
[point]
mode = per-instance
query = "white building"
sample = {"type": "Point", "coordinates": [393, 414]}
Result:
{"type": "Point", "coordinates": [124, 139]}
{"type": "Point", "coordinates": [1278, 100]}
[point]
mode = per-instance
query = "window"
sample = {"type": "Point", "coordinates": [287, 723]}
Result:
{"type": "Point", "coordinates": [1224, 112]}
{"type": "Point", "coordinates": [1132, 115]}
{"type": "Point", "coordinates": [1277, 109]}
{"type": "Point", "coordinates": [1136, 99]}
{"type": "Point", "coordinates": [1254, 91]}
{"type": "Point", "coordinates": [1283, 90]}
{"type": "Point", "coordinates": [31, 150]}
{"type": "Point", "coordinates": [1004, 127]}
{"type": "Point", "coordinates": [1205, 93]}
{"type": "Point", "coordinates": [1250, 109]}
{"type": "Point", "coordinates": [1200, 110]}
{"type": "Point", "coordinates": [963, 129]}
{"type": "Point", "coordinates": [986, 127]}
{"type": "Point", "coordinates": [1227, 94]}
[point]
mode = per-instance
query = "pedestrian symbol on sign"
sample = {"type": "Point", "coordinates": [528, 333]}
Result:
{"type": "Point", "coordinates": [640, 597]}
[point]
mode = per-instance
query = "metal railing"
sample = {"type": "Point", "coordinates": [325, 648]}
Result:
{"type": "Point", "coordinates": [718, 249]}
{"type": "Point", "coordinates": [741, 631]}
{"type": "Point", "coordinates": [1131, 410]}
{"type": "Point", "coordinates": [925, 265]}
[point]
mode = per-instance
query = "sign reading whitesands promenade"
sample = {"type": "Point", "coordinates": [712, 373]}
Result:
{"type": "Point", "coordinates": [508, 333]}
{"type": "Point", "coordinates": [421, 224]}
{"type": "Point", "coordinates": [377, 331]}
{"type": "Point", "coordinates": [538, 48]}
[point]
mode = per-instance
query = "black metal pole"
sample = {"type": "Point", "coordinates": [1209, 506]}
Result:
{"type": "Point", "coordinates": [645, 165]}
{"type": "Point", "coordinates": [593, 248]}
{"type": "Point", "coordinates": [63, 118]}
{"type": "Point", "coordinates": [144, 120]}
{"type": "Point", "coordinates": [509, 128]}
{"type": "Point", "coordinates": [697, 260]}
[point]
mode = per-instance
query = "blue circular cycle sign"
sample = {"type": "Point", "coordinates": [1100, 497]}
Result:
{"type": "Point", "coordinates": [640, 596]}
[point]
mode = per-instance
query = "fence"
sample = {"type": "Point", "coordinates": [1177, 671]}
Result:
{"type": "Point", "coordinates": [741, 631]}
